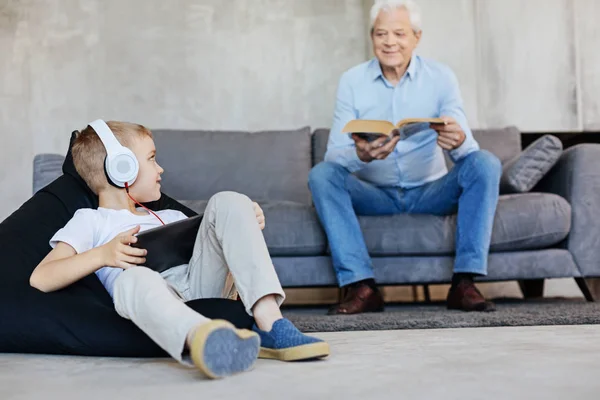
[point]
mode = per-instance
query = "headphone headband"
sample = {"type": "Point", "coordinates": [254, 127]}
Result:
{"type": "Point", "coordinates": [107, 137]}
{"type": "Point", "coordinates": [121, 165]}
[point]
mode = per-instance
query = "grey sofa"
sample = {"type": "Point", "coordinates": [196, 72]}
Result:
{"type": "Point", "coordinates": [553, 232]}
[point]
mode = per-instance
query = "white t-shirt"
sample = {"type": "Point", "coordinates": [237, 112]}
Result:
{"type": "Point", "coordinates": [91, 228]}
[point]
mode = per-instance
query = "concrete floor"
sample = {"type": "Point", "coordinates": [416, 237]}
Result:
{"type": "Point", "coordinates": [557, 362]}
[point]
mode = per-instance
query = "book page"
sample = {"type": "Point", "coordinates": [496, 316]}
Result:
{"type": "Point", "coordinates": [407, 121]}
{"type": "Point", "coordinates": [411, 129]}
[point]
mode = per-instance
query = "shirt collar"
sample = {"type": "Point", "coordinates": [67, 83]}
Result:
{"type": "Point", "coordinates": [375, 68]}
{"type": "Point", "coordinates": [412, 67]}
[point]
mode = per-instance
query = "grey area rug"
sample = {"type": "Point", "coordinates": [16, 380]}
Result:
{"type": "Point", "coordinates": [435, 315]}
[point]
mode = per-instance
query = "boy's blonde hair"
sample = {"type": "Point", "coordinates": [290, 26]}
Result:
{"type": "Point", "coordinates": [89, 153]}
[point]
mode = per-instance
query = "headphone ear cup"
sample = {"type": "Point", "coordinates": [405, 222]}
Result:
{"type": "Point", "coordinates": [108, 178]}
{"type": "Point", "coordinates": [122, 168]}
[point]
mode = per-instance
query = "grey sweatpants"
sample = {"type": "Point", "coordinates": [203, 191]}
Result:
{"type": "Point", "coordinates": [230, 256]}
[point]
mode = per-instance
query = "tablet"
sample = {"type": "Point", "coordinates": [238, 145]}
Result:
{"type": "Point", "coordinates": [169, 245]}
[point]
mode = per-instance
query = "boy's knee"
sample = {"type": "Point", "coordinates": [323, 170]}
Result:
{"type": "Point", "coordinates": [229, 200]}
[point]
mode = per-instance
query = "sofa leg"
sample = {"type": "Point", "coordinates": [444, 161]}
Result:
{"type": "Point", "coordinates": [532, 288]}
{"type": "Point", "coordinates": [415, 293]}
{"type": "Point", "coordinates": [585, 289]}
{"type": "Point", "coordinates": [426, 294]}
{"type": "Point", "coordinates": [594, 286]}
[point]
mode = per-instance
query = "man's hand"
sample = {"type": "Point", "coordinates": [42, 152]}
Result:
{"type": "Point", "coordinates": [260, 215]}
{"type": "Point", "coordinates": [450, 134]}
{"type": "Point", "coordinates": [117, 253]}
{"type": "Point", "coordinates": [375, 150]}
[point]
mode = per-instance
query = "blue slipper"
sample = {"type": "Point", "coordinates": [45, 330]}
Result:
{"type": "Point", "coordinates": [286, 343]}
{"type": "Point", "coordinates": [219, 349]}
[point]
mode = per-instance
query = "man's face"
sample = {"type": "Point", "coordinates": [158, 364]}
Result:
{"type": "Point", "coordinates": [146, 187]}
{"type": "Point", "coordinates": [393, 38]}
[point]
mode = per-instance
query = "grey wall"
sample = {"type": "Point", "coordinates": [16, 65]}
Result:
{"type": "Point", "coordinates": [235, 64]}
{"type": "Point", "coordinates": [532, 63]}
{"type": "Point", "coordinates": [587, 17]}
{"type": "Point", "coordinates": [254, 64]}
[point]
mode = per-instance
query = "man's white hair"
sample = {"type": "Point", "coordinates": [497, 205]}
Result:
{"type": "Point", "coordinates": [414, 12]}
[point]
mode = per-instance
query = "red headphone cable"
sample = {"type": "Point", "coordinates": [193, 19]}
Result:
{"type": "Point", "coordinates": [141, 205]}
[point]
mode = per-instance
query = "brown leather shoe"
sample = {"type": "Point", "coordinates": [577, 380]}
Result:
{"type": "Point", "coordinates": [358, 300]}
{"type": "Point", "coordinates": [465, 296]}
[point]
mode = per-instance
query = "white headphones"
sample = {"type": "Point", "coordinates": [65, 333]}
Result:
{"type": "Point", "coordinates": [120, 165]}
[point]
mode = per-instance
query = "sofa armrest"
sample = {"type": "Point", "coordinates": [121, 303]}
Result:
{"type": "Point", "coordinates": [46, 168]}
{"type": "Point", "coordinates": [576, 177]}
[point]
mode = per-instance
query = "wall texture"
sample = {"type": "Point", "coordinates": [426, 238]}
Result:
{"type": "Point", "coordinates": [588, 61]}
{"type": "Point", "coordinates": [235, 64]}
{"type": "Point", "coordinates": [531, 63]}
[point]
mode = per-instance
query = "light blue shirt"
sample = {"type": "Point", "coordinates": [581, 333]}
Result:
{"type": "Point", "coordinates": [428, 89]}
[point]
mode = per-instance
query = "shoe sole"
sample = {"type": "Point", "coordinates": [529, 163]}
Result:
{"type": "Point", "coordinates": [219, 349]}
{"type": "Point", "coordinates": [297, 353]}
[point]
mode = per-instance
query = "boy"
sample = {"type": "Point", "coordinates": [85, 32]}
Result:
{"type": "Point", "coordinates": [229, 248]}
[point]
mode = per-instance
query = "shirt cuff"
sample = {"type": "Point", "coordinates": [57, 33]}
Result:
{"type": "Point", "coordinates": [461, 151]}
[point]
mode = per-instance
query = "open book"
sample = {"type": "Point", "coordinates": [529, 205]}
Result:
{"type": "Point", "coordinates": [370, 130]}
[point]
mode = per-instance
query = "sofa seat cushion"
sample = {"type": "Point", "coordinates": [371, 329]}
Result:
{"type": "Point", "coordinates": [509, 265]}
{"type": "Point", "coordinates": [523, 222]}
{"type": "Point", "coordinates": [291, 229]}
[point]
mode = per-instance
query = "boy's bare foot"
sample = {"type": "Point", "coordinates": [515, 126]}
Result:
{"type": "Point", "coordinates": [218, 349]}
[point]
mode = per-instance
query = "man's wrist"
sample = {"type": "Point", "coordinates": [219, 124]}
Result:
{"type": "Point", "coordinates": [464, 138]}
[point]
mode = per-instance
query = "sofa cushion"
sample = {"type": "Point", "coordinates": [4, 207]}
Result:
{"type": "Point", "coordinates": [291, 229]}
{"type": "Point", "coordinates": [525, 170]}
{"type": "Point", "coordinates": [505, 143]}
{"type": "Point", "coordinates": [522, 222]}
{"type": "Point", "coordinates": [270, 165]}
{"type": "Point", "coordinates": [320, 138]}
{"type": "Point", "coordinates": [507, 265]}
{"type": "Point", "coordinates": [46, 168]}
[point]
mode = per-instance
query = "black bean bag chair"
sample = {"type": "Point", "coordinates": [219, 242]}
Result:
{"type": "Point", "coordinates": [79, 319]}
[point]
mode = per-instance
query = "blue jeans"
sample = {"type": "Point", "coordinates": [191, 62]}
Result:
{"type": "Point", "coordinates": [471, 188]}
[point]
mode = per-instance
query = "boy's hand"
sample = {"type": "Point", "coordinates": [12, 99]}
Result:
{"type": "Point", "coordinates": [260, 215]}
{"type": "Point", "coordinates": [117, 253]}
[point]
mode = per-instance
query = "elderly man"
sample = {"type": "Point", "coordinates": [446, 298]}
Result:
{"type": "Point", "coordinates": [403, 176]}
